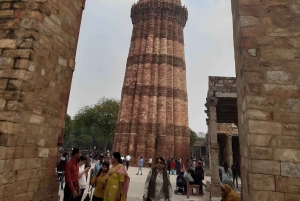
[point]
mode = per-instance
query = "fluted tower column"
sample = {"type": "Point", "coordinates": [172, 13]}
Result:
{"type": "Point", "coordinates": [153, 116]}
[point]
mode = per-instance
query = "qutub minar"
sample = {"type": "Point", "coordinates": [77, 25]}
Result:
{"type": "Point", "coordinates": [153, 116]}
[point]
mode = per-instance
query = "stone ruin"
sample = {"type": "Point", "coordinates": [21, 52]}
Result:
{"type": "Point", "coordinates": [38, 41]}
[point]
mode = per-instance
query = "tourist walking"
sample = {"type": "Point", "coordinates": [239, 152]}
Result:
{"type": "Point", "coordinates": [72, 189]}
{"type": "Point", "coordinates": [228, 194]}
{"type": "Point", "coordinates": [82, 176]}
{"type": "Point", "coordinates": [199, 176]}
{"type": "Point", "coordinates": [150, 162]}
{"type": "Point", "coordinates": [118, 180]}
{"type": "Point", "coordinates": [140, 163]}
{"type": "Point", "coordinates": [226, 175]}
{"type": "Point", "coordinates": [168, 164]}
{"type": "Point", "coordinates": [97, 166]}
{"type": "Point", "coordinates": [235, 175]}
{"type": "Point", "coordinates": [172, 166]}
{"type": "Point", "coordinates": [177, 166]}
{"type": "Point", "coordinates": [61, 169]}
{"type": "Point", "coordinates": [99, 181]}
{"type": "Point", "coordinates": [158, 186]}
{"type": "Point", "coordinates": [127, 158]}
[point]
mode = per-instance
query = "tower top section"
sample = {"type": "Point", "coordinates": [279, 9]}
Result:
{"type": "Point", "coordinates": [176, 2]}
{"type": "Point", "coordinates": [159, 9]}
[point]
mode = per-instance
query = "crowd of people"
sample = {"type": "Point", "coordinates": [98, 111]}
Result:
{"type": "Point", "coordinates": [110, 180]}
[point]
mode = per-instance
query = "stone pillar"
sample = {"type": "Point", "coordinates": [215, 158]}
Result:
{"type": "Point", "coordinates": [266, 35]}
{"type": "Point", "coordinates": [153, 119]}
{"type": "Point", "coordinates": [229, 150]}
{"type": "Point", "coordinates": [214, 151]}
{"type": "Point", "coordinates": [38, 41]}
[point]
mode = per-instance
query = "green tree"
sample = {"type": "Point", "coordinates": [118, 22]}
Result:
{"type": "Point", "coordinates": [193, 138]}
{"type": "Point", "coordinates": [97, 121]}
{"type": "Point", "coordinates": [69, 132]}
{"type": "Point", "coordinates": [106, 113]}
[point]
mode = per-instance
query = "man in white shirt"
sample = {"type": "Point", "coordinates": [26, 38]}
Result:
{"type": "Point", "coordinates": [127, 161]}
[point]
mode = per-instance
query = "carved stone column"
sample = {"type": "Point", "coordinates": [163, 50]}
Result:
{"type": "Point", "coordinates": [214, 150]}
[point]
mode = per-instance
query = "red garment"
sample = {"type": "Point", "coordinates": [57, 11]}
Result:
{"type": "Point", "coordinates": [172, 165]}
{"type": "Point", "coordinates": [71, 174]}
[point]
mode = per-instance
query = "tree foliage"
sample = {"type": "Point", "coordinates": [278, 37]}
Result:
{"type": "Point", "coordinates": [193, 138]}
{"type": "Point", "coordinates": [93, 125]}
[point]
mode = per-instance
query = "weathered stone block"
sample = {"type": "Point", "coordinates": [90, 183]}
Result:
{"type": "Point", "coordinates": [23, 175]}
{"type": "Point", "coordinates": [261, 102]}
{"type": "Point", "coordinates": [30, 152]}
{"type": "Point", "coordinates": [265, 127]}
{"type": "Point", "coordinates": [280, 77]}
{"type": "Point", "coordinates": [258, 114]}
{"type": "Point", "coordinates": [267, 196]}
{"type": "Point", "coordinates": [287, 155]}
{"type": "Point", "coordinates": [288, 184]}
{"type": "Point", "coordinates": [281, 90]}
{"type": "Point", "coordinates": [262, 182]}
{"type": "Point", "coordinates": [36, 119]}
{"type": "Point", "coordinates": [43, 152]}
{"type": "Point", "coordinates": [22, 53]}
{"type": "Point", "coordinates": [261, 153]}
{"type": "Point", "coordinates": [2, 165]}
{"type": "Point", "coordinates": [6, 13]}
{"type": "Point", "coordinates": [292, 105]}
{"type": "Point", "coordinates": [20, 164]}
{"type": "Point", "coordinates": [262, 140]}
{"type": "Point", "coordinates": [249, 21]}
{"type": "Point", "coordinates": [7, 178]}
{"type": "Point", "coordinates": [291, 197]}
{"type": "Point", "coordinates": [265, 167]}
{"type": "Point", "coordinates": [2, 152]}
{"type": "Point", "coordinates": [8, 43]}
{"type": "Point", "coordinates": [278, 53]}
{"type": "Point", "coordinates": [6, 62]}
{"type": "Point", "coordinates": [290, 169]}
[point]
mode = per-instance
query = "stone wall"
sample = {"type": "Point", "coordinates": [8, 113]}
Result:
{"type": "Point", "coordinates": [221, 87]}
{"type": "Point", "coordinates": [38, 40]}
{"type": "Point", "coordinates": [266, 35]}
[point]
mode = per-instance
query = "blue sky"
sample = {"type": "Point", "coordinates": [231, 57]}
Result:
{"type": "Point", "coordinates": [104, 43]}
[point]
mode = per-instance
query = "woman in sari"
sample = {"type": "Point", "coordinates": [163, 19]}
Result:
{"type": "Point", "coordinates": [228, 194]}
{"type": "Point", "coordinates": [118, 180]}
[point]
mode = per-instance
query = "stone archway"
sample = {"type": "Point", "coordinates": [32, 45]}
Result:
{"type": "Point", "coordinates": [38, 40]}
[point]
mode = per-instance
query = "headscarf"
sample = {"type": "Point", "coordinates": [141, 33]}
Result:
{"type": "Point", "coordinates": [230, 194]}
{"type": "Point", "coordinates": [121, 170]}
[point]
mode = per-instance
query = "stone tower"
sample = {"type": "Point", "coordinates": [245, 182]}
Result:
{"type": "Point", "coordinates": [153, 116]}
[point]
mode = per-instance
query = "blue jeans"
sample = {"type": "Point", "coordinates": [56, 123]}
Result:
{"type": "Point", "coordinates": [61, 179]}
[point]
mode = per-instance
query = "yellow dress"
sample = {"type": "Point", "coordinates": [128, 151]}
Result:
{"type": "Point", "coordinates": [112, 188]}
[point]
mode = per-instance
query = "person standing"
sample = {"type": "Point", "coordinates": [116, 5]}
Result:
{"type": "Point", "coordinates": [72, 189]}
{"type": "Point", "coordinates": [118, 180]}
{"type": "Point", "coordinates": [235, 174]}
{"type": "Point", "coordinates": [150, 162]}
{"type": "Point", "coordinates": [82, 176]}
{"type": "Point", "coordinates": [199, 177]}
{"type": "Point", "coordinates": [177, 166]}
{"type": "Point", "coordinates": [158, 186]}
{"type": "Point", "coordinates": [127, 158]}
{"type": "Point", "coordinates": [99, 180]}
{"type": "Point", "coordinates": [172, 166]}
{"type": "Point", "coordinates": [141, 161]}
{"type": "Point", "coordinates": [61, 169]}
{"type": "Point", "coordinates": [168, 164]}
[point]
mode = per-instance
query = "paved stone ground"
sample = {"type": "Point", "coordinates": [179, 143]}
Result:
{"type": "Point", "coordinates": [137, 187]}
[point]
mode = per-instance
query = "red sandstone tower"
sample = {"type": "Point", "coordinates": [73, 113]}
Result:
{"type": "Point", "coordinates": [153, 116]}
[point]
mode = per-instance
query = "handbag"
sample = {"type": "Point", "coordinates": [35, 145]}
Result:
{"type": "Point", "coordinates": [89, 195]}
